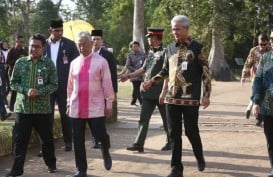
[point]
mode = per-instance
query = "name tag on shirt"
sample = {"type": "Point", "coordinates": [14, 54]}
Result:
{"type": "Point", "coordinates": [184, 66]}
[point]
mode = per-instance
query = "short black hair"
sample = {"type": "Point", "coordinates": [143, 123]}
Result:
{"type": "Point", "coordinates": [39, 37]}
{"type": "Point", "coordinates": [134, 43]}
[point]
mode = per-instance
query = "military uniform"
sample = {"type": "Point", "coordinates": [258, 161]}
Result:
{"type": "Point", "coordinates": [150, 98]}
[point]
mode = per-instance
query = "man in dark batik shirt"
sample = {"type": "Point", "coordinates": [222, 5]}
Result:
{"type": "Point", "coordinates": [184, 70]}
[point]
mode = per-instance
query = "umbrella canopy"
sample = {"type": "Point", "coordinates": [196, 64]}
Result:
{"type": "Point", "coordinates": [74, 27]}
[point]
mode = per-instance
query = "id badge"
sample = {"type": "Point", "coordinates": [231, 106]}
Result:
{"type": "Point", "coordinates": [65, 59]}
{"type": "Point", "coordinates": [184, 66]}
{"type": "Point", "coordinates": [40, 81]}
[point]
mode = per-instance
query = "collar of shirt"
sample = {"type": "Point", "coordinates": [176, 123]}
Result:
{"type": "Point", "coordinates": [98, 51]}
{"type": "Point", "coordinates": [40, 59]}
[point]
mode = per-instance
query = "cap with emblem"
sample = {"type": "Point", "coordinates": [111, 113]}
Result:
{"type": "Point", "coordinates": [57, 23]}
{"type": "Point", "coordinates": [96, 33]}
{"type": "Point", "coordinates": [151, 31]}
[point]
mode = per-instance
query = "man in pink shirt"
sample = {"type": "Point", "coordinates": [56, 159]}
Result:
{"type": "Point", "coordinates": [89, 100]}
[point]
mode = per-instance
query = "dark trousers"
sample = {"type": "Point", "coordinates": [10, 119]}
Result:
{"type": "Point", "coordinates": [147, 109]}
{"type": "Point", "coordinates": [23, 128]}
{"type": "Point", "coordinates": [136, 92]}
{"type": "Point", "coordinates": [12, 100]}
{"type": "Point", "coordinates": [99, 130]}
{"type": "Point", "coordinates": [190, 114]}
{"type": "Point", "coordinates": [60, 97]}
{"type": "Point", "coordinates": [3, 110]}
{"type": "Point", "coordinates": [268, 131]}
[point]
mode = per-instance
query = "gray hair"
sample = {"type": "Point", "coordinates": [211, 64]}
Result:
{"type": "Point", "coordinates": [84, 34]}
{"type": "Point", "coordinates": [184, 20]}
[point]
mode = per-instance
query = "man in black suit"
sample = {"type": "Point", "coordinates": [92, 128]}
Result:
{"type": "Point", "coordinates": [99, 48]}
{"type": "Point", "coordinates": [61, 51]}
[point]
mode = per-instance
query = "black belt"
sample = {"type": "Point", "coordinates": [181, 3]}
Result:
{"type": "Point", "coordinates": [182, 102]}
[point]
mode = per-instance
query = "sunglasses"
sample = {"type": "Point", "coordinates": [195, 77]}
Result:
{"type": "Point", "coordinates": [263, 44]}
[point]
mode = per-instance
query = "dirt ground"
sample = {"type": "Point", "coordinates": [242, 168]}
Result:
{"type": "Point", "coordinates": [233, 145]}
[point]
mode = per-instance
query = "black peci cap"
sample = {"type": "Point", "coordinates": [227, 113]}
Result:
{"type": "Point", "coordinates": [96, 33]}
{"type": "Point", "coordinates": [57, 23]}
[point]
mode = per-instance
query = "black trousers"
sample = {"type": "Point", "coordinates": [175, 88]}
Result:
{"type": "Point", "coordinates": [12, 100]}
{"type": "Point", "coordinates": [99, 130]}
{"type": "Point", "coordinates": [136, 92]}
{"type": "Point", "coordinates": [60, 98]}
{"type": "Point", "coordinates": [190, 115]}
{"type": "Point", "coordinates": [23, 128]}
{"type": "Point", "coordinates": [147, 109]}
{"type": "Point", "coordinates": [268, 131]}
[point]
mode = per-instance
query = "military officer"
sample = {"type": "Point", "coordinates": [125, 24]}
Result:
{"type": "Point", "coordinates": [151, 67]}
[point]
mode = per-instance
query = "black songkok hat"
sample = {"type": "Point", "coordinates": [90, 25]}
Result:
{"type": "Point", "coordinates": [154, 31]}
{"type": "Point", "coordinates": [58, 23]}
{"type": "Point", "coordinates": [96, 33]}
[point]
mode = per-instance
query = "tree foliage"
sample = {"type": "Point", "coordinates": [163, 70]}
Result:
{"type": "Point", "coordinates": [237, 22]}
{"type": "Point", "coordinates": [43, 14]}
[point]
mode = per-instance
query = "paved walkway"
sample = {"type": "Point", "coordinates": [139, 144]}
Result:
{"type": "Point", "coordinates": [233, 146]}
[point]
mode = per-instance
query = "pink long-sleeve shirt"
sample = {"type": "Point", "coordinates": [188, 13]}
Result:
{"type": "Point", "coordinates": [89, 88]}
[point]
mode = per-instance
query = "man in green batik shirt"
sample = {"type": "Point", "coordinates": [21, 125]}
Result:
{"type": "Point", "coordinates": [150, 68]}
{"type": "Point", "coordinates": [34, 78]}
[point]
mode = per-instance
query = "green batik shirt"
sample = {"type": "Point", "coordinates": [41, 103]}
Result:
{"type": "Point", "coordinates": [40, 75]}
{"type": "Point", "coordinates": [153, 65]}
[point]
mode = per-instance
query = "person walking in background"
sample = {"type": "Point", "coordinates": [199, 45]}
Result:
{"type": "Point", "coordinates": [134, 61]}
{"type": "Point", "coordinates": [89, 100]}
{"type": "Point", "coordinates": [3, 86]}
{"type": "Point", "coordinates": [262, 96]}
{"type": "Point", "coordinates": [112, 62]}
{"type": "Point", "coordinates": [184, 70]}
{"type": "Point", "coordinates": [4, 49]}
{"type": "Point", "coordinates": [61, 51]}
{"type": "Point", "coordinates": [251, 64]}
{"type": "Point", "coordinates": [150, 97]}
{"type": "Point", "coordinates": [34, 78]}
{"type": "Point", "coordinates": [14, 53]}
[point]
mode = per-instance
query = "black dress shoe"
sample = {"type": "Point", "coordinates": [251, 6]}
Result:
{"type": "Point", "coordinates": [52, 169]}
{"type": "Point", "coordinates": [176, 173]}
{"type": "Point", "coordinates": [248, 114]}
{"type": "Point", "coordinates": [201, 165]}
{"type": "Point", "coordinates": [135, 147]}
{"type": "Point", "coordinates": [14, 174]}
{"type": "Point", "coordinates": [107, 160]}
{"type": "Point", "coordinates": [80, 174]}
{"type": "Point", "coordinates": [5, 116]}
{"type": "Point", "coordinates": [167, 147]}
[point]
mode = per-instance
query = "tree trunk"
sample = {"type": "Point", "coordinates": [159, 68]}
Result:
{"type": "Point", "coordinates": [138, 27]}
{"type": "Point", "coordinates": [220, 70]}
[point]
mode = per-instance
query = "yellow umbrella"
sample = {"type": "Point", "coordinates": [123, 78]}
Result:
{"type": "Point", "coordinates": [74, 27]}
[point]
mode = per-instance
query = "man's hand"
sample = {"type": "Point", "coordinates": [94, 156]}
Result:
{"type": "Point", "coordinates": [243, 80]}
{"type": "Point", "coordinates": [123, 78]}
{"type": "Point", "coordinates": [32, 93]}
{"type": "Point", "coordinates": [205, 102]}
{"type": "Point", "coordinates": [147, 84]}
{"type": "Point", "coordinates": [256, 110]}
{"type": "Point", "coordinates": [108, 112]}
